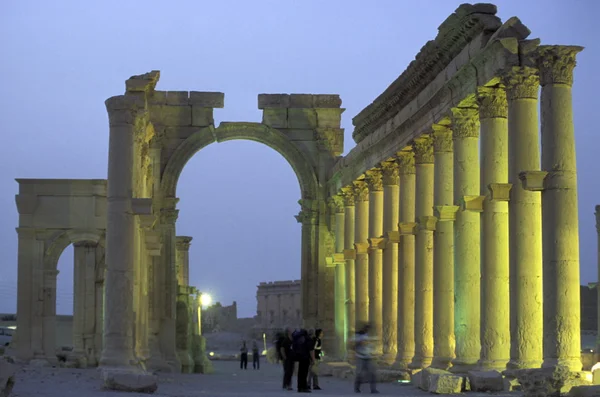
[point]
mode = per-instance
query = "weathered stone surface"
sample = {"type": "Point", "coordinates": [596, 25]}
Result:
{"type": "Point", "coordinates": [390, 375]}
{"type": "Point", "coordinates": [415, 378]}
{"type": "Point", "coordinates": [585, 391]}
{"type": "Point", "coordinates": [275, 117]}
{"type": "Point", "coordinates": [329, 118]}
{"type": "Point", "coordinates": [177, 97]}
{"type": "Point", "coordinates": [129, 381]}
{"type": "Point", "coordinates": [273, 101]}
{"type": "Point", "coordinates": [207, 99]}
{"type": "Point", "coordinates": [7, 380]}
{"type": "Point", "coordinates": [326, 101]}
{"type": "Point", "coordinates": [302, 118]}
{"type": "Point", "coordinates": [550, 381]}
{"type": "Point", "coordinates": [171, 115]}
{"type": "Point", "coordinates": [445, 384]}
{"type": "Point", "coordinates": [426, 376]}
{"type": "Point", "coordinates": [202, 116]}
{"type": "Point", "coordinates": [511, 384]}
{"type": "Point", "coordinates": [486, 381]}
{"type": "Point", "coordinates": [301, 101]}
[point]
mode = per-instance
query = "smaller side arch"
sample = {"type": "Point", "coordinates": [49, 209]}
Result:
{"type": "Point", "coordinates": [59, 242]}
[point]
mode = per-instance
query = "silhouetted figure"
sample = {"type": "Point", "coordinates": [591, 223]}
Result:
{"type": "Point", "coordinates": [365, 368]}
{"type": "Point", "coordinates": [302, 346]}
{"type": "Point", "coordinates": [244, 356]}
{"type": "Point", "coordinates": [313, 370]}
{"type": "Point", "coordinates": [287, 357]}
{"type": "Point", "coordinates": [255, 356]}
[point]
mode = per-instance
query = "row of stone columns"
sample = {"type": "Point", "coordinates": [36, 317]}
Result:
{"type": "Point", "coordinates": [443, 247]}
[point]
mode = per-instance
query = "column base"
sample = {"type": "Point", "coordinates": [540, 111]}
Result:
{"type": "Point", "coordinates": [117, 360]}
{"type": "Point", "coordinates": [389, 358]}
{"type": "Point", "coordinates": [187, 363]}
{"type": "Point", "coordinates": [491, 365]}
{"type": "Point", "coordinates": [574, 364]}
{"type": "Point", "coordinates": [444, 363]}
{"type": "Point", "coordinates": [156, 363]}
{"type": "Point", "coordinates": [77, 360]}
{"type": "Point", "coordinates": [402, 363]}
{"type": "Point", "coordinates": [462, 367]}
{"type": "Point", "coordinates": [129, 380]}
{"type": "Point", "coordinates": [202, 365]}
{"type": "Point", "coordinates": [524, 364]}
{"type": "Point", "coordinates": [420, 362]}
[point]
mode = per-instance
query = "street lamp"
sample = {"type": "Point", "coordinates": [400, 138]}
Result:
{"type": "Point", "coordinates": [205, 300]}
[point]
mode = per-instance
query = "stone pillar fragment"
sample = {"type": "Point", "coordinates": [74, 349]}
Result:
{"type": "Point", "coordinates": [375, 184]}
{"type": "Point", "coordinates": [391, 209]}
{"type": "Point", "coordinates": [361, 247]}
{"type": "Point", "coordinates": [443, 253]}
{"type": "Point", "coordinates": [183, 259]}
{"type": "Point", "coordinates": [597, 213]}
{"type": "Point", "coordinates": [183, 304]}
{"type": "Point", "coordinates": [465, 130]}
{"type": "Point", "coordinates": [424, 251]}
{"type": "Point", "coordinates": [495, 315]}
{"type": "Point", "coordinates": [525, 220]}
{"type": "Point", "coordinates": [83, 303]}
{"type": "Point", "coordinates": [49, 316]}
{"type": "Point", "coordinates": [559, 209]}
{"type": "Point", "coordinates": [339, 276]}
{"type": "Point", "coordinates": [349, 255]}
{"type": "Point", "coordinates": [406, 260]}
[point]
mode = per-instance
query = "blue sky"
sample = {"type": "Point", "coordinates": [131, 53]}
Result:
{"type": "Point", "coordinates": [62, 59]}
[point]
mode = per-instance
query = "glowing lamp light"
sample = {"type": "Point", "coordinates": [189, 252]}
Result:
{"type": "Point", "coordinates": [211, 354]}
{"type": "Point", "coordinates": [205, 300]}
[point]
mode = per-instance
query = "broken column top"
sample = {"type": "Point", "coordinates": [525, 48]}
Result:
{"type": "Point", "coordinates": [318, 101]}
{"type": "Point", "coordinates": [143, 82]}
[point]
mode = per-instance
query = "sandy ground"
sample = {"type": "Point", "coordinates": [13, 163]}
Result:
{"type": "Point", "coordinates": [228, 380]}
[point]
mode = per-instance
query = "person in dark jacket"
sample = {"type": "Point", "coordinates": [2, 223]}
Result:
{"type": "Point", "coordinates": [255, 356]}
{"type": "Point", "coordinates": [303, 348]}
{"type": "Point", "coordinates": [286, 354]}
{"type": "Point", "coordinates": [313, 371]}
{"type": "Point", "coordinates": [244, 356]}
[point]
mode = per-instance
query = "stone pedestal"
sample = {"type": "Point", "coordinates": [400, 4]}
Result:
{"type": "Point", "coordinates": [349, 255]}
{"type": "Point", "coordinates": [525, 220]}
{"type": "Point", "coordinates": [375, 184]}
{"type": "Point", "coordinates": [423, 147]}
{"type": "Point", "coordinates": [391, 210]}
{"type": "Point", "coordinates": [361, 246]}
{"type": "Point", "coordinates": [406, 261]}
{"type": "Point", "coordinates": [559, 209]}
{"type": "Point", "coordinates": [465, 130]}
{"type": "Point", "coordinates": [443, 259]}
{"type": "Point", "coordinates": [495, 314]}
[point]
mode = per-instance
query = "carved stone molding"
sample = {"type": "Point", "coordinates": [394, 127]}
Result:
{"type": "Point", "coordinates": [407, 229]}
{"type": "Point", "coordinates": [183, 243]}
{"type": "Point", "coordinates": [556, 64]}
{"type": "Point", "coordinates": [406, 161]}
{"type": "Point", "coordinates": [442, 139]}
{"type": "Point", "coordinates": [26, 203]}
{"type": "Point", "coordinates": [392, 237]}
{"type": "Point", "coordinates": [533, 180]}
{"type": "Point", "coordinates": [361, 248]}
{"type": "Point", "coordinates": [446, 213]}
{"type": "Point", "coordinates": [350, 254]}
{"type": "Point", "coordinates": [427, 223]}
{"type": "Point", "coordinates": [348, 195]}
{"type": "Point", "coordinates": [374, 179]}
{"type": "Point", "coordinates": [390, 172]}
{"type": "Point", "coordinates": [377, 243]}
{"type": "Point", "coordinates": [500, 191]}
{"type": "Point", "coordinates": [492, 102]}
{"type": "Point", "coordinates": [465, 123]}
{"type": "Point", "coordinates": [168, 216]}
{"type": "Point", "coordinates": [153, 242]}
{"type": "Point", "coordinates": [361, 191]}
{"type": "Point", "coordinates": [423, 146]}
{"type": "Point", "coordinates": [521, 83]}
{"type": "Point", "coordinates": [308, 214]}
{"type": "Point", "coordinates": [472, 203]}
{"type": "Point", "coordinates": [336, 204]}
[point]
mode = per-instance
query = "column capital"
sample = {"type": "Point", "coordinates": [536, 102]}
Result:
{"type": "Point", "coordinates": [50, 274]}
{"type": "Point", "coordinates": [361, 191]}
{"type": "Point", "coordinates": [556, 63]}
{"type": "Point", "coordinates": [124, 109]}
{"type": "Point", "coordinates": [492, 102]}
{"type": "Point", "coordinates": [168, 216]}
{"type": "Point", "coordinates": [407, 228]}
{"type": "Point", "coordinates": [153, 242]}
{"type": "Point", "coordinates": [522, 82]}
{"type": "Point", "coordinates": [533, 180]}
{"type": "Point", "coordinates": [442, 138]}
{"type": "Point", "coordinates": [427, 223]}
{"type": "Point", "coordinates": [338, 258]}
{"type": "Point", "coordinates": [183, 243]}
{"type": "Point", "coordinates": [465, 123]}
{"type": "Point", "coordinates": [348, 195]}
{"type": "Point", "coordinates": [374, 179]}
{"type": "Point", "coordinates": [361, 248]}
{"type": "Point", "coordinates": [391, 173]}
{"type": "Point", "coordinates": [472, 203]}
{"type": "Point", "coordinates": [423, 146]}
{"type": "Point", "coordinates": [336, 203]}
{"type": "Point", "coordinates": [446, 212]}
{"type": "Point", "coordinates": [406, 160]}
{"type": "Point", "coordinates": [376, 243]}
{"type": "Point", "coordinates": [500, 191]}
{"type": "Point", "coordinates": [393, 236]}
{"type": "Point", "coordinates": [308, 214]}
{"type": "Point", "coordinates": [350, 254]}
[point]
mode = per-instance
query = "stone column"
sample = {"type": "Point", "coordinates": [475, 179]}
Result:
{"type": "Point", "coordinates": [49, 319]}
{"type": "Point", "coordinates": [84, 263]}
{"type": "Point", "coordinates": [375, 184]}
{"type": "Point", "coordinates": [443, 253]}
{"type": "Point", "coordinates": [597, 213]}
{"type": "Point", "coordinates": [465, 130]}
{"type": "Point", "coordinates": [183, 305]}
{"type": "Point", "coordinates": [424, 252]}
{"type": "Point", "coordinates": [559, 209]}
{"type": "Point", "coordinates": [495, 314]}
{"type": "Point", "coordinates": [118, 325]}
{"type": "Point", "coordinates": [391, 209]}
{"type": "Point", "coordinates": [349, 255]}
{"type": "Point", "coordinates": [340, 276]}
{"type": "Point", "coordinates": [183, 259]}
{"type": "Point", "coordinates": [361, 246]}
{"type": "Point", "coordinates": [525, 220]}
{"type": "Point", "coordinates": [406, 260]}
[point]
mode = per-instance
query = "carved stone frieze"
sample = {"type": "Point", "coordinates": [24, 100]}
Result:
{"type": "Point", "coordinates": [361, 191]}
{"type": "Point", "coordinates": [336, 204]}
{"type": "Point", "coordinates": [442, 139]}
{"type": "Point", "coordinates": [309, 213]}
{"type": "Point", "coordinates": [556, 64]}
{"type": "Point", "coordinates": [406, 161]}
{"type": "Point", "coordinates": [168, 216]}
{"type": "Point", "coordinates": [390, 172]}
{"type": "Point", "coordinates": [374, 179]}
{"type": "Point", "coordinates": [348, 196]}
{"type": "Point", "coordinates": [492, 102]}
{"type": "Point", "coordinates": [423, 146]}
{"type": "Point", "coordinates": [522, 82]}
{"type": "Point", "coordinates": [465, 123]}
{"type": "Point", "coordinates": [183, 243]}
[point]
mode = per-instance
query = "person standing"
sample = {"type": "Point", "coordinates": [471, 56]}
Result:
{"type": "Point", "coordinates": [303, 348]}
{"type": "Point", "coordinates": [287, 357]}
{"type": "Point", "coordinates": [313, 371]}
{"type": "Point", "coordinates": [255, 356]}
{"type": "Point", "coordinates": [365, 368]}
{"type": "Point", "coordinates": [244, 356]}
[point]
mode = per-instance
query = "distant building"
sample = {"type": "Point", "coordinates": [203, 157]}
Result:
{"type": "Point", "coordinates": [278, 304]}
{"type": "Point", "coordinates": [217, 318]}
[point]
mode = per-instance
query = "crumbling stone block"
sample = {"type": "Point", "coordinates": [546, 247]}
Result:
{"type": "Point", "coordinates": [171, 115]}
{"type": "Point", "coordinates": [177, 98]}
{"type": "Point", "coordinates": [275, 117]}
{"type": "Point", "coordinates": [266, 101]}
{"type": "Point", "coordinates": [445, 384]}
{"type": "Point", "coordinates": [215, 100]}
{"type": "Point", "coordinates": [201, 116]}
{"type": "Point", "coordinates": [511, 384]}
{"type": "Point", "coordinates": [426, 376]}
{"type": "Point", "coordinates": [301, 101]}
{"type": "Point", "coordinates": [486, 381]}
{"type": "Point", "coordinates": [129, 381]}
{"type": "Point", "coordinates": [551, 382]}
{"type": "Point", "coordinates": [585, 391]}
{"type": "Point", "coordinates": [391, 375]}
{"type": "Point", "coordinates": [302, 118]}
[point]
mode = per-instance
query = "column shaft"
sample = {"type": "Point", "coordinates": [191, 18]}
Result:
{"type": "Point", "coordinates": [349, 225]}
{"type": "Point", "coordinates": [443, 259]}
{"type": "Point", "coordinates": [375, 183]}
{"type": "Point", "coordinates": [559, 210]}
{"type": "Point", "coordinates": [340, 279]}
{"type": "Point", "coordinates": [424, 252]}
{"type": "Point", "coordinates": [465, 131]}
{"type": "Point", "coordinates": [361, 245]}
{"type": "Point", "coordinates": [597, 213]}
{"type": "Point", "coordinates": [406, 260]}
{"type": "Point", "coordinates": [525, 221]}
{"type": "Point", "coordinates": [391, 209]}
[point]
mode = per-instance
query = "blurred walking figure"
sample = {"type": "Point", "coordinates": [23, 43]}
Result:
{"type": "Point", "coordinates": [255, 356]}
{"type": "Point", "coordinates": [313, 371]}
{"type": "Point", "coordinates": [365, 368]}
{"type": "Point", "coordinates": [284, 348]}
{"type": "Point", "coordinates": [244, 356]}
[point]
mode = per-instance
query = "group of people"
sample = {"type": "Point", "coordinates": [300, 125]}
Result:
{"type": "Point", "coordinates": [244, 356]}
{"type": "Point", "coordinates": [305, 348]}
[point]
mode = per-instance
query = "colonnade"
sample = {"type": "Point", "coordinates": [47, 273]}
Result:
{"type": "Point", "coordinates": [443, 248]}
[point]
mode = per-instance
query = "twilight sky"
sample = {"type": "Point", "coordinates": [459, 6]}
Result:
{"type": "Point", "coordinates": [62, 59]}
